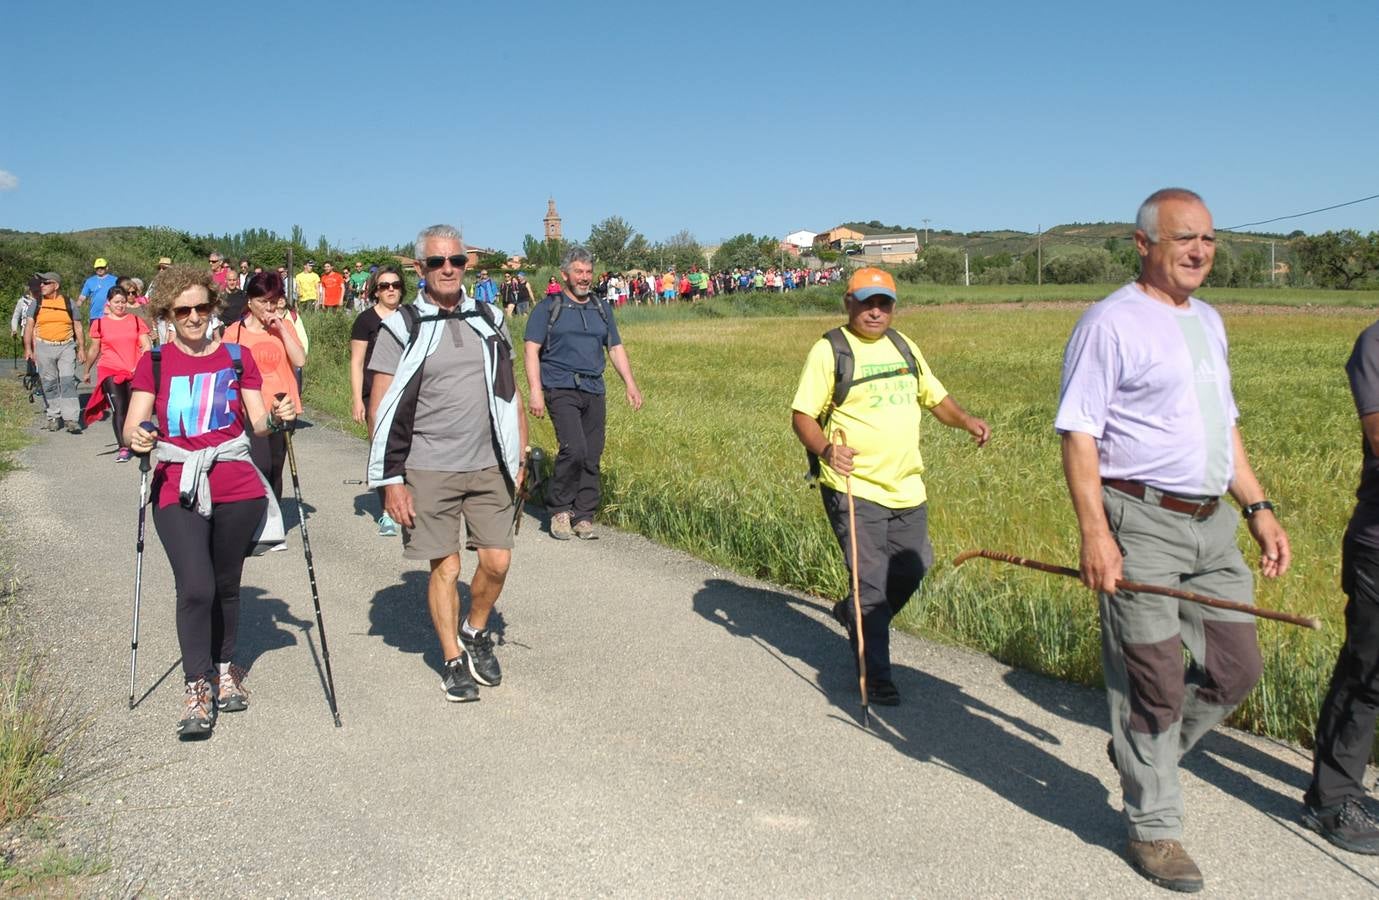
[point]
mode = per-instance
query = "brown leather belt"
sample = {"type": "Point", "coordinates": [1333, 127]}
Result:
{"type": "Point", "coordinates": [1198, 509]}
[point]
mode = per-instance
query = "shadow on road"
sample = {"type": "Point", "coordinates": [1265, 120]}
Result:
{"type": "Point", "coordinates": [938, 722]}
{"type": "Point", "coordinates": [265, 624]}
{"type": "Point", "coordinates": [400, 616]}
{"type": "Point", "coordinates": [1215, 759]}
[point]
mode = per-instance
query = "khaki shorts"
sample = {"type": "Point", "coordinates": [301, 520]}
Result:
{"type": "Point", "coordinates": [443, 500]}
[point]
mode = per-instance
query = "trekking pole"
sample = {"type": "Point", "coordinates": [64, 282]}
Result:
{"type": "Point", "coordinates": [1140, 587]}
{"type": "Point", "coordinates": [144, 463]}
{"type": "Point", "coordinates": [310, 567]}
{"type": "Point", "coordinates": [839, 440]}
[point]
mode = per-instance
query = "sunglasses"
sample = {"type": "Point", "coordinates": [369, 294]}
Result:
{"type": "Point", "coordinates": [391, 285]}
{"type": "Point", "coordinates": [459, 260]}
{"type": "Point", "coordinates": [181, 312]}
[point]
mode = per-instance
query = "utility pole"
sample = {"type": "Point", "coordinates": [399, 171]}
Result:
{"type": "Point", "coordinates": [1272, 264]}
{"type": "Point", "coordinates": [1039, 255]}
{"type": "Point", "coordinates": [926, 231]}
{"type": "Point", "coordinates": [966, 273]}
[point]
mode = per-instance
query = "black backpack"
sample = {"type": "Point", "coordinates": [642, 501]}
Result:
{"type": "Point", "coordinates": [415, 318]}
{"type": "Point", "coordinates": [843, 365]}
{"type": "Point", "coordinates": [558, 304]}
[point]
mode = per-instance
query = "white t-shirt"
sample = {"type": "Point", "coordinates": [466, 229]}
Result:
{"type": "Point", "coordinates": [1151, 382]}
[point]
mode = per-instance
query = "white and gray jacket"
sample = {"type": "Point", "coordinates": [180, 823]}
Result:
{"type": "Point", "coordinates": [419, 329]}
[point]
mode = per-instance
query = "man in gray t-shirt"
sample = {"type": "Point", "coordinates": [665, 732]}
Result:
{"type": "Point", "coordinates": [451, 431]}
{"type": "Point", "coordinates": [1147, 421]}
{"type": "Point", "coordinates": [457, 479]}
{"type": "Point", "coordinates": [1334, 803]}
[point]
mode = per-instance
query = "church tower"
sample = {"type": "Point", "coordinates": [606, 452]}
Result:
{"type": "Point", "coordinates": [552, 221]}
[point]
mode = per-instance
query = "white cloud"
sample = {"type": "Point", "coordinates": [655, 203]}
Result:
{"type": "Point", "coordinates": [8, 181]}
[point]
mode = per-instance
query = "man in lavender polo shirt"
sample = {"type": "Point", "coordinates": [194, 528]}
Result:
{"type": "Point", "coordinates": [1147, 420]}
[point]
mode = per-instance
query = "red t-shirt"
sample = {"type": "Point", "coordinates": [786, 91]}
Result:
{"type": "Point", "coordinates": [199, 406]}
{"type": "Point", "coordinates": [119, 342]}
{"type": "Point", "coordinates": [332, 289]}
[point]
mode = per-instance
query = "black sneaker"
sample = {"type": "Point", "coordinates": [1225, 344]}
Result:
{"type": "Point", "coordinates": [459, 687]}
{"type": "Point", "coordinates": [478, 654]}
{"type": "Point", "coordinates": [882, 693]}
{"type": "Point", "coordinates": [1348, 825]}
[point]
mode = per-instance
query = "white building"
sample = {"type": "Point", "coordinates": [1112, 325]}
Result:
{"type": "Point", "coordinates": [801, 239]}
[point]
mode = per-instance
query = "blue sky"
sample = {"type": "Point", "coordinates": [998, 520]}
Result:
{"type": "Point", "coordinates": [367, 122]}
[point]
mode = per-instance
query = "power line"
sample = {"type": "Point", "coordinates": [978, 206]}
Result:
{"type": "Point", "coordinates": [1301, 214]}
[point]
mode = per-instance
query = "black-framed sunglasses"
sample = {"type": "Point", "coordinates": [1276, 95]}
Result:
{"type": "Point", "coordinates": [202, 309]}
{"type": "Point", "coordinates": [459, 261]}
{"type": "Point", "coordinates": [390, 285]}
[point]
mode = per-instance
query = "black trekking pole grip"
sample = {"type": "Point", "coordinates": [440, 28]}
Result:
{"type": "Point", "coordinates": [287, 426]}
{"type": "Point", "coordinates": [144, 460]}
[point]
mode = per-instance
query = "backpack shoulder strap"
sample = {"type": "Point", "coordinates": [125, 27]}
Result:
{"type": "Point", "coordinates": [157, 362]}
{"type": "Point", "coordinates": [906, 354]}
{"type": "Point", "coordinates": [237, 358]}
{"type": "Point", "coordinates": [843, 364]}
{"type": "Point", "coordinates": [557, 304]}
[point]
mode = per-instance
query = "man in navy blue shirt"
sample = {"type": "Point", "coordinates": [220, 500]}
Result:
{"type": "Point", "coordinates": [566, 338]}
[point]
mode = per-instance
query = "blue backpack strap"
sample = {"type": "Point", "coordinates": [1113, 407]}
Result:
{"type": "Point", "coordinates": [237, 358]}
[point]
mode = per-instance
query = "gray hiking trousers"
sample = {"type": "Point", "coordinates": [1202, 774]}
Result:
{"type": "Point", "coordinates": [1161, 705]}
{"type": "Point", "coordinates": [57, 367]}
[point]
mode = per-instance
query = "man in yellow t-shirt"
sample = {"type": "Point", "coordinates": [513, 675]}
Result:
{"type": "Point", "coordinates": [881, 417]}
{"type": "Point", "coordinates": [308, 283]}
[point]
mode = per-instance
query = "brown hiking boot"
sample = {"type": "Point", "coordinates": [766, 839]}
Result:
{"type": "Point", "coordinates": [584, 530]}
{"type": "Point", "coordinates": [230, 692]}
{"type": "Point", "coordinates": [560, 527]}
{"type": "Point", "coordinates": [198, 710]}
{"type": "Point", "coordinates": [1167, 864]}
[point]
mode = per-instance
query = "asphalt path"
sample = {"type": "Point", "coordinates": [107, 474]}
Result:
{"type": "Point", "coordinates": [664, 728]}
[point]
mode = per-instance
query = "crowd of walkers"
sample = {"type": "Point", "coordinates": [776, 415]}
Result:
{"type": "Point", "coordinates": [692, 285]}
{"type": "Point", "coordinates": [1146, 417]}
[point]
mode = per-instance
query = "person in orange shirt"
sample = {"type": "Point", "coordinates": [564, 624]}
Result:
{"type": "Point", "coordinates": [54, 342]}
{"type": "Point", "coordinates": [332, 288]}
{"type": "Point", "coordinates": [276, 349]}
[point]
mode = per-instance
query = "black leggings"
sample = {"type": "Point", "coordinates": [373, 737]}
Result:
{"type": "Point", "coordinates": [269, 453]}
{"type": "Point", "coordinates": [117, 395]}
{"type": "Point", "coordinates": [207, 557]}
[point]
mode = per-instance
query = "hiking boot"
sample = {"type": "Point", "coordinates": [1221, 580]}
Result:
{"type": "Point", "coordinates": [560, 527]}
{"type": "Point", "coordinates": [478, 656]}
{"type": "Point", "coordinates": [386, 526]}
{"type": "Point", "coordinates": [584, 530]}
{"type": "Point", "coordinates": [458, 683]}
{"type": "Point", "coordinates": [1111, 753]}
{"type": "Point", "coordinates": [1348, 825]}
{"type": "Point", "coordinates": [882, 693]}
{"type": "Point", "coordinates": [125, 455]}
{"type": "Point", "coordinates": [1167, 864]}
{"type": "Point", "coordinates": [73, 428]}
{"type": "Point", "coordinates": [52, 424]}
{"type": "Point", "coordinates": [198, 710]}
{"type": "Point", "coordinates": [230, 693]}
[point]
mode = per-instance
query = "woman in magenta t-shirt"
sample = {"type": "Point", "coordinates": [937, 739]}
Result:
{"type": "Point", "coordinates": [118, 339]}
{"type": "Point", "coordinates": [207, 524]}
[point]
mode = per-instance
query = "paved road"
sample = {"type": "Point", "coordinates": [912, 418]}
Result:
{"type": "Point", "coordinates": [664, 728]}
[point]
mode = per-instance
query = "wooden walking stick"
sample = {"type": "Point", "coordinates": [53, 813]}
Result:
{"type": "Point", "coordinates": [1140, 587]}
{"type": "Point", "coordinates": [840, 439]}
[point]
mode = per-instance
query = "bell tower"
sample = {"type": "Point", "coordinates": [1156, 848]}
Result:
{"type": "Point", "coordinates": [552, 221]}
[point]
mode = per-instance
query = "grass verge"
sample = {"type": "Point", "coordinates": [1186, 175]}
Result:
{"type": "Point", "coordinates": [41, 731]}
